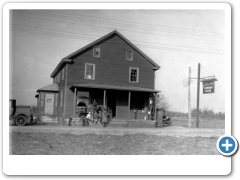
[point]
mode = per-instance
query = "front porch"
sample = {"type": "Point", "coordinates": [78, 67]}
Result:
{"type": "Point", "coordinates": [121, 102]}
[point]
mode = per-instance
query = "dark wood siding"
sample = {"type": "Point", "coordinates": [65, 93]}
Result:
{"type": "Point", "coordinates": [61, 86]}
{"type": "Point", "coordinates": [112, 66]}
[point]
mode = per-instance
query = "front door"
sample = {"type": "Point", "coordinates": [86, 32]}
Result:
{"type": "Point", "coordinates": [49, 101]}
{"type": "Point", "coordinates": [112, 102]}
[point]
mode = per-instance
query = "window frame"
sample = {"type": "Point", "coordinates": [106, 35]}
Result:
{"type": "Point", "coordinates": [94, 71]}
{"type": "Point", "coordinates": [131, 55]}
{"type": "Point", "coordinates": [56, 100]}
{"type": "Point", "coordinates": [95, 47]}
{"type": "Point", "coordinates": [130, 70]}
{"type": "Point", "coordinates": [61, 101]}
{"type": "Point", "coordinates": [42, 99]}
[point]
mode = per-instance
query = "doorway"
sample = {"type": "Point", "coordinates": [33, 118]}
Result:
{"type": "Point", "coordinates": [112, 103]}
{"type": "Point", "coordinates": [49, 99]}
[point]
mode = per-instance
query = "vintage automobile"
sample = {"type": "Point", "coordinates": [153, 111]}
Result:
{"type": "Point", "coordinates": [21, 115]}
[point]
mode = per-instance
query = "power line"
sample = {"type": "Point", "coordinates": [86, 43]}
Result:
{"type": "Point", "coordinates": [81, 24]}
{"type": "Point", "coordinates": [56, 14]}
{"type": "Point", "coordinates": [207, 70]}
{"type": "Point", "coordinates": [145, 24]}
{"type": "Point", "coordinates": [34, 57]}
{"type": "Point", "coordinates": [128, 26]}
{"type": "Point", "coordinates": [214, 64]}
{"type": "Point", "coordinates": [35, 28]}
{"type": "Point", "coordinates": [141, 45]}
{"type": "Point", "coordinates": [204, 72]}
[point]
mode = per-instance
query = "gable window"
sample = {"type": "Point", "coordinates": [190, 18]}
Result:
{"type": "Point", "coordinates": [129, 55]}
{"type": "Point", "coordinates": [96, 52]}
{"type": "Point", "coordinates": [89, 71]}
{"type": "Point", "coordinates": [134, 74]}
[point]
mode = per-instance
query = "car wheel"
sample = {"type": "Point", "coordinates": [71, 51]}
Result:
{"type": "Point", "coordinates": [21, 120]}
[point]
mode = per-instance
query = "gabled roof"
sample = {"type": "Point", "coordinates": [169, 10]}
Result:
{"type": "Point", "coordinates": [69, 58]}
{"type": "Point", "coordinates": [52, 87]}
{"type": "Point", "coordinates": [114, 87]}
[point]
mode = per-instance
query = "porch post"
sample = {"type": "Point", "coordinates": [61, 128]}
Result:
{"type": "Point", "coordinates": [104, 98]}
{"type": "Point", "coordinates": [129, 103]}
{"type": "Point", "coordinates": [74, 102]}
{"type": "Point", "coordinates": [155, 106]}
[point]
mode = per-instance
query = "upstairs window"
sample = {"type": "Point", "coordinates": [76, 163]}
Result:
{"type": "Point", "coordinates": [89, 71]}
{"type": "Point", "coordinates": [133, 75]}
{"type": "Point", "coordinates": [129, 55]}
{"type": "Point", "coordinates": [57, 78]}
{"type": "Point", "coordinates": [96, 52]}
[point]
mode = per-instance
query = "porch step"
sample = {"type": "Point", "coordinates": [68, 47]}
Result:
{"type": "Point", "coordinates": [50, 119]}
{"type": "Point", "coordinates": [132, 123]}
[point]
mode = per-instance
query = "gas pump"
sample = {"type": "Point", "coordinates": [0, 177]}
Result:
{"type": "Point", "coordinates": [150, 109]}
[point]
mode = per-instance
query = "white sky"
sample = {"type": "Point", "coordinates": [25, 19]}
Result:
{"type": "Point", "coordinates": [175, 39]}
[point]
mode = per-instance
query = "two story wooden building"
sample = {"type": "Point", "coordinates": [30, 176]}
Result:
{"type": "Point", "coordinates": [110, 71]}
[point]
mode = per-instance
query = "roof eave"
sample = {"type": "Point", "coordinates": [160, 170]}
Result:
{"type": "Point", "coordinates": [59, 65]}
{"type": "Point", "coordinates": [120, 89]}
{"type": "Point", "coordinates": [47, 90]}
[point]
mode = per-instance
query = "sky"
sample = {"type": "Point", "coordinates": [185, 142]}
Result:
{"type": "Point", "coordinates": [174, 39]}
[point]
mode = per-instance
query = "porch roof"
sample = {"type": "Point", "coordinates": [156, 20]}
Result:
{"type": "Point", "coordinates": [52, 87]}
{"type": "Point", "coordinates": [114, 87]}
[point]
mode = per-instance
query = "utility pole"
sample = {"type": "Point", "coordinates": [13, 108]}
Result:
{"type": "Point", "coordinates": [189, 99]}
{"type": "Point", "coordinates": [198, 90]}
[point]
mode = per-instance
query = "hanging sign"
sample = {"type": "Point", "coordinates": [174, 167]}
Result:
{"type": "Point", "coordinates": [208, 86]}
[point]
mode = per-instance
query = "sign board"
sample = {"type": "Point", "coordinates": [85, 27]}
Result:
{"type": "Point", "coordinates": [208, 86]}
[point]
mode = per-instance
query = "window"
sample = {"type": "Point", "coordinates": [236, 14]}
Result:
{"type": "Point", "coordinates": [138, 101]}
{"type": "Point", "coordinates": [56, 99]}
{"type": "Point", "coordinates": [129, 55]}
{"type": "Point", "coordinates": [61, 99]}
{"type": "Point", "coordinates": [82, 98]}
{"type": "Point", "coordinates": [49, 100]}
{"type": "Point", "coordinates": [89, 71]}
{"type": "Point", "coordinates": [63, 74]}
{"type": "Point", "coordinates": [42, 98]}
{"type": "Point", "coordinates": [133, 74]}
{"type": "Point", "coordinates": [96, 52]}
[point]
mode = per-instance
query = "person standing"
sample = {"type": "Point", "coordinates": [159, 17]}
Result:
{"type": "Point", "coordinates": [94, 106]}
{"type": "Point", "coordinates": [105, 117]}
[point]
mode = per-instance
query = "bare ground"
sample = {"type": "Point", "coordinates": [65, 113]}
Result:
{"type": "Point", "coordinates": [51, 143]}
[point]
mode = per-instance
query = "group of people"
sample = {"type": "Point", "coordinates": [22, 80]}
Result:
{"type": "Point", "coordinates": [96, 117]}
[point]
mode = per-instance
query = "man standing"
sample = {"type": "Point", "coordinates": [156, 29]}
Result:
{"type": "Point", "coordinates": [94, 106]}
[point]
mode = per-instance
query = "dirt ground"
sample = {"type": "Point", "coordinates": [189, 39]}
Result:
{"type": "Point", "coordinates": [65, 140]}
{"type": "Point", "coordinates": [208, 124]}
{"type": "Point", "coordinates": [92, 144]}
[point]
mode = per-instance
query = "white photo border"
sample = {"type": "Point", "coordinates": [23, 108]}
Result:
{"type": "Point", "coordinates": [117, 165]}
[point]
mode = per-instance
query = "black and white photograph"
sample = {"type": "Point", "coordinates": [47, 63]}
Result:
{"type": "Point", "coordinates": [85, 82]}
